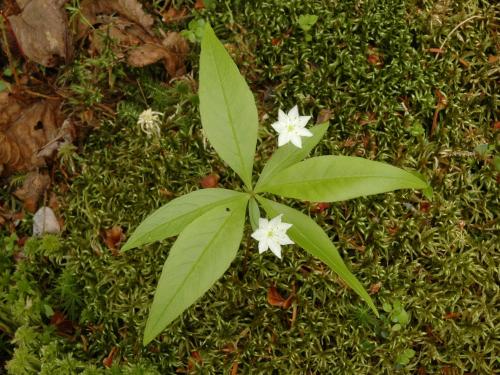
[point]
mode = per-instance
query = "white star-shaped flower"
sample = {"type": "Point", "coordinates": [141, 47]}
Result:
{"type": "Point", "coordinates": [150, 121]}
{"type": "Point", "coordinates": [271, 235]}
{"type": "Point", "coordinates": [290, 127]}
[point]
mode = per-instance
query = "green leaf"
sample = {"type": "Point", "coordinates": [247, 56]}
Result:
{"type": "Point", "coordinates": [289, 154]}
{"type": "Point", "coordinates": [336, 178]}
{"type": "Point", "coordinates": [387, 307]}
{"type": "Point", "coordinates": [253, 213]}
{"type": "Point", "coordinates": [482, 149]}
{"type": "Point", "coordinates": [405, 357]}
{"type": "Point", "coordinates": [309, 235]}
{"type": "Point", "coordinates": [496, 163]}
{"type": "Point", "coordinates": [199, 257]}
{"type": "Point", "coordinates": [173, 217]}
{"type": "Point", "coordinates": [227, 107]}
{"type": "Point", "coordinates": [307, 21]}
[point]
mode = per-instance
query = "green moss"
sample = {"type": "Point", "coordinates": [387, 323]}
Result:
{"type": "Point", "coordinates": [437, 258]}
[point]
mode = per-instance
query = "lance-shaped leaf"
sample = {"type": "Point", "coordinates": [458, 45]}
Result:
{"type": "Point", "coordinates": [253, 213]}
{"type": "Point", "coordinates": [337, 178]}
{"type": "Point", "coordinates": [289, 154]}
{"type": "Point", "coordinates": [309, 235]}
{"type": "Point", "coordinates": [170, 219]}
{"type": "Point", "coordinates": [227, 107]}
{"type": "Point", "coordinates": [199, 257]}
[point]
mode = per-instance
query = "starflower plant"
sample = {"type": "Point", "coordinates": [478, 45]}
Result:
{"type": "Point", "coordinates": [210, 223]}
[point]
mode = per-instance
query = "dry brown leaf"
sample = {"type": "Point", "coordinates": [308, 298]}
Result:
{"type": "Point", "coordinates": [173, 15]}
{"type": "Point", "coordinates": [147, 54]}
{"type": "Point", "coordinates": [34, 186]}
{"type": "Point", "coordinates": [275, 299]}
{"type": "Point", "coordinates": [178, 48]}
{"type": "Point", "coordinates": [92, 10]}
{"type": "Point", "coordinates": [32, 128]}
{"type": "Point", "coordinates": [41, 31]}
{"type": "Point", "coordinates": [140, 48]}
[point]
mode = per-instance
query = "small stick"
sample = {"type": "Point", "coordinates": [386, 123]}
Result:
{"type": "Point", "coordinates": [455, 29]}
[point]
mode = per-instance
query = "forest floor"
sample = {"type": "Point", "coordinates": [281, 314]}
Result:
{"type": "Point", "coordinates": [411, 83]}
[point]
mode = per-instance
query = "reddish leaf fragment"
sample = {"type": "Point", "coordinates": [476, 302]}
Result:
{"type": "Point", "coordinates": [375, 288]}
{"type": "Point", "coordinates": [173, 15]}
{"type": "Point", "coordinates": [393, 230]}
{"type": "Point", "coordinates": [209, 181]}
{"type": "Point", "coordinates": [442, 103]}
{"type": "Point", "coordinates": [320, 207]}
{"type": "Point", "coordinates": [234, 368]}
{"type": "Point", "coordinates": [324, 115]}
{"type": "Point", "coordinates": [275, 299]}
{"type": "Point", "coordinates": [194, 359]}
{"type": "Point", "coordinates": [113, 237]}
{"type": "Point", "coordinates": [199, 4]}
{"type": "Point", "coordinates": [451, 315]}
{"type": "Point", "coordinates": [435, 50]}
{"type": "Point", "coordinates": [108, 361]}
{"type": "Point", "coordinates": [464, 63]}
{"type": "Point", "coordinates": [64, 326]}
{"type": "Point", "coordinates": [493, 59]}
{"type": "Point", "coordinates": [424, 206]}
{"type": "Point", "coordinates": [276, 41]}
{"type": "Point", "coordinates": [375, 57]}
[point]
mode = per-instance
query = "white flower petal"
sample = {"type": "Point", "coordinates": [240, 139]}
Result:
{"type": "Point", "coordinates": [283, 139]}
{"type": "Point", "coordinates": [303, 132]}
{"type": "Point", "coordinates": [259, 234]}
{"type": "Point", "coordinates": [279, 126]}
{"type": "Point", "coordinates": [302, 121]}
{"type": "Point", "coordinates": [276, 220]}
{"type": "Point", "coordinates": [263, 246]}
{"type": "Point", "coordinates": [295, 139]}
{"type": "Point", "coordinates": [283, 227]}
{"type": "Point", "coordinates": [263, 222]}
{"type": "Point", "coordinates": [294, 113]}
{"type": "Point", "coordinates": [275, 248]}
{"type": "Point", "coordinates": [282, 117]}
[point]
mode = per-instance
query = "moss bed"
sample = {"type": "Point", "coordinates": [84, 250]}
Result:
{"type": "Point", "coordinates": [375, 67]}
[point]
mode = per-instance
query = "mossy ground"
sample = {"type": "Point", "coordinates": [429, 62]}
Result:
{"type": "Point", "coordinates": [438, 258]}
